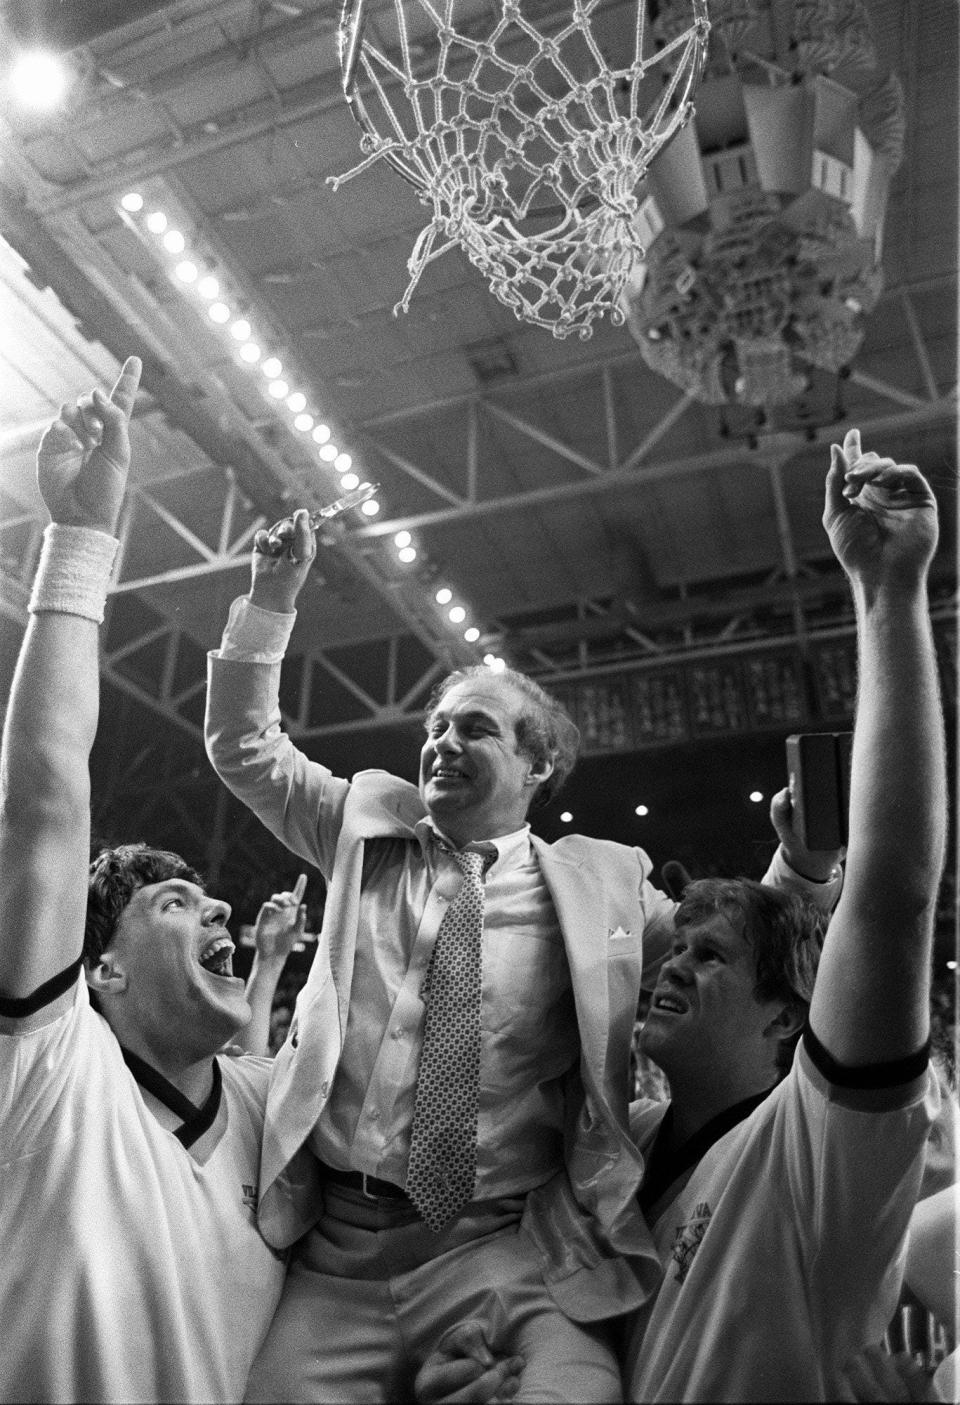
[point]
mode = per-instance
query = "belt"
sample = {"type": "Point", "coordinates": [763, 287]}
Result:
{"type": "Point", "coordinates": [370, 1186]}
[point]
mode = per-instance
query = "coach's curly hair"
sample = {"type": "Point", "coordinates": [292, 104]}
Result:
{"type": "Point", "coordinates": [115, 875]}
{"type": "Point", "coordinates": [545, 730]}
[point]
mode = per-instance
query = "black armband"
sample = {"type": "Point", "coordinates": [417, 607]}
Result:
{"type": "Point", "coordinates": [888, 1074]}
{"type": "Point", "coordinates": [15, 1007]}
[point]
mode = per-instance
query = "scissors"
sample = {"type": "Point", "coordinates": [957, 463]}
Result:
{"type": "Point", "coordinates": [334, 509]}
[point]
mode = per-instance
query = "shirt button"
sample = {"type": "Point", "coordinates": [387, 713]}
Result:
{"type": "Point", "coordinates": [324, 1088]}
{"type": "Point", "coordinates": [399, 1032]}
{"type": "Point", "coordinates": [373, 1115]}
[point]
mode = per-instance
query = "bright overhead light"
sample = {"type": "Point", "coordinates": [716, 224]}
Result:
{"type": "Point", "coordinates": [272, 368]}
{"type": "Point", "coordinates": [756, 796]}
{"type": "Point", "coordinates": [39, 79]}
{"type": "Point", "coordinates": [132, 202]}
{"type": "Point", "coordinates": [250, 352]}
{"type": "Point", "coordinates": [444, 596]}
{"type": "Point", "coordinates": [498, 665]}
{"type": "Point", "coordinates": [641, 810]}
{"type": "Point", "coordinates": [303, 423]}
{"type": "Point", "coordinates": [156, 222]}
{"type": "Point", "coordinates": [187, 272]}
{"type": "Point", "coordinates": [278, 389]}
{"type": "Point", "coordinates": [566, 817]}
{"type": "Point", "coordinates": [490, 660]}
{"type": "Point", "coordinates": [370, 508]}
{"type": "Point", "coordinates": [328, 452]}
{"type": "Point", "coordinates": [240, 329]}
{"type": "Point", "coordinates": [218, 312]}
{"type": "Point", "coordinates": [174, 242]}
{"type": "Point", "coordinates": [349, 481]}
{"type": "Point", "coordinates": [342, 463]}
{"type": "Point", "coordinates": [208, 287]}
{"type": "Point", "coordinates": [297, 402]}
{"type": "Point", "coordinates": [321, 433]}
{"type": "Point", "coordinates": [472, 634]}
{"type": "Point", "coordinates": [407, 554]}
{"type": "Point", "coordinates": [402, 539]}
{"type": "Point", "coordinates": [458, 614]}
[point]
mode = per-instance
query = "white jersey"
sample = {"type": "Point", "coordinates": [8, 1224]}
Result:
{"type": "Point", "coordinates": [783, 1252]}
{"type": "Point", "coordinates": [131, 1269]}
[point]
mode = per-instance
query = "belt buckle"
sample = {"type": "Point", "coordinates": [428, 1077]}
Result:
{"type": "Point", "coordinates": [363, 1186]}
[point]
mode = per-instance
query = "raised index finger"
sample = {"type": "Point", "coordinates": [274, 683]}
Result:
{"type": "Point", "coordinates": [852, 449]}
{"type": "Point", "coordinates": [299, 888]}
{"type": "Point", "coordinates": [124, 393]}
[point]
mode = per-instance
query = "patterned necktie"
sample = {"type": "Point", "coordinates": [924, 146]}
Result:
{"type": "Point", "coordinates": [443, 1142]}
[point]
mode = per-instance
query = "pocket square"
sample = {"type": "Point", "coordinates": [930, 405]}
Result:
{"type": "Point", "coordinates": [618, 935]}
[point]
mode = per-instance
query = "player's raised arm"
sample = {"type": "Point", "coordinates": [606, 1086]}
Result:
{"type": "Point", "coordinates": [871, 1001]}
{"type": "Point", "coordinates": [51, 719]}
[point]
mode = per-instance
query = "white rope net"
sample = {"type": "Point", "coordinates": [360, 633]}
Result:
{"type": "Point", "coordinates": [528, 146]}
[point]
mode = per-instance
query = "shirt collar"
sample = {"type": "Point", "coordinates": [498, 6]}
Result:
{"type": "Point", "coordinates": [506, 851]}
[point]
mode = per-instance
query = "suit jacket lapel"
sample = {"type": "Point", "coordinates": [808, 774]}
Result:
{"type": "Point", "coordinates": [580, 902]}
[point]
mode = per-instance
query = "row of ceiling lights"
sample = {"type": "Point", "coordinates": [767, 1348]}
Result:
{"type": "Point", "coordinates": [188, 272]}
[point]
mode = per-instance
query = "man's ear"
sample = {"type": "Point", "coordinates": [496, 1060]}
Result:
{"type": "Point", "coordinates": [107, 976]}
{"type": "Point", "coordinates": [539, 771]}
{"type": "Point", "coordinates": [788, 1022]}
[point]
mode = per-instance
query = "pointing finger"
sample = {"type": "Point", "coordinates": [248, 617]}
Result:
{"type": "Point", "coordinates": [834, 485]}
{"type": "Point", "coordinates": [124, 392]}
{"type": "Point", "coordinates": [851, 445]}
{"type": "Point", "coordinates": [299, 888]}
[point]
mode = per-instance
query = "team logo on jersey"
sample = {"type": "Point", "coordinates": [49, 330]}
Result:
{"type": "Point", "coordinates": [689, 1235]}
{"type": "Point", "coordinates": [248, 1194]}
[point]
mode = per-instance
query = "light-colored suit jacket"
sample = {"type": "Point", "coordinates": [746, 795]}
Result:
{"type": "Point", "coordinates": [613, 923]}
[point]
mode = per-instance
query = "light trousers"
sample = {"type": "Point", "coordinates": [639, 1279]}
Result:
{"type": "Point", "coordinates": [371, 1290]}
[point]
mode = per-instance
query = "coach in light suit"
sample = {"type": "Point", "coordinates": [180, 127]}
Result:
{"type": "Point", "coordinates": [567, 930]}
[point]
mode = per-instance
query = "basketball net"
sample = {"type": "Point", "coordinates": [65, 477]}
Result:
{"type": "Point", "coordinates": [528, 146]}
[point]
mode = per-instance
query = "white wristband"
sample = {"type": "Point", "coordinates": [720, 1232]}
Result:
{"type": "Point", "coordinates": [74, 572]}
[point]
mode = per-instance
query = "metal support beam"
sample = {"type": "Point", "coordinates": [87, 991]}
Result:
{"type": "Point", "coordinates": [921, 415]}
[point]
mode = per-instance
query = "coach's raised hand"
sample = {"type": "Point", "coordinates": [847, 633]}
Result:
{"type": "Point", "coordinates": [282, 556]}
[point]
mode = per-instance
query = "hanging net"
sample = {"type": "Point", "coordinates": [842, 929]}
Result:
{"type": "Point", "coordinates": [526, 143]}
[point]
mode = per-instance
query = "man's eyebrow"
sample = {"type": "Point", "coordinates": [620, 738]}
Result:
{"type": "Point", "coordinates": [174, 885]}
{"type": "Point", "coordinates": [476, 714]}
